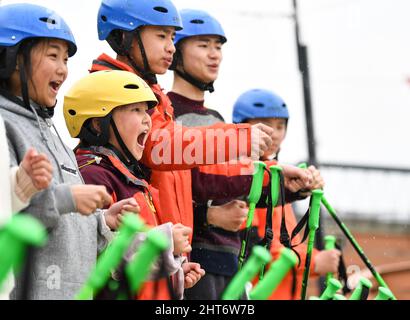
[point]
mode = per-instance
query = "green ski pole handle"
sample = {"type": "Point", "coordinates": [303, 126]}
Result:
{"type": "Point", "coordinates": [253, 198]}
{"type": "Point", "coordinates": [21, 231]}
{"type": "Point", "coordinates": [275, 275]}
{"type": "Point", "coordinates": [139, 267]}
{"type": "Point", "coordinates": [313, 225]}
{"type": "Point", "coordinates": [333, 286]}
{"type": "Point", "coordinates": [274, 186]}
{"type": "Point", "coordinates": [111, 257]}
{"type": "Point", "coordinates": [274, 191]}
{"type": "Point", "coordinates": [354, 243]}
{"type": "Point", "coordinates": [259, 257]}
{"type": "Point", "coordinates": [385, 294]}
{"type": "Point", "coordinates": [358, 291]}
{"type": "Point", "coordinates": [330, 244]}
{"type": "Point", "coordinates": [351, 239]}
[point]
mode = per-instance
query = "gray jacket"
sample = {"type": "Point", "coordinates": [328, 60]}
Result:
{"type": "Point", "coordinates": [61, 267]}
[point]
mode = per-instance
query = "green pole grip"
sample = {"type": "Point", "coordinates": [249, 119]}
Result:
{"type": "Point", "coordinates": [275, 275]}
{"type": "Point", "coordinates": [330, 244]}
{"type": "Point", "coordinates": [275, 179]}
{"type": "Point", "coordinates": [253, 198]}
{"type": "Point", "coordinates": [256, 190]}
{"type": "Point", "coordinates": [21, 231]}
{"type": "Point", "coordinates": [331, 289]}
{"type": "Point", "coordinates": [363, 282]}
{"type": "Point", "coordinates": [259, 257]}
{"type": "Point", "coordinates": [257, 182]}
{"type": "Point", "coordinates": [384, 294]}
{"type": "Point", "coordinates": [303, 165]}
{"type": "Point", "coordinates": [111, 257]}
{"type": "Point", "coordinates": [317, 195]}
{"type": "Point", "coordinates": [139, 267]}
{"type": "Point", "coordinates": [313, 225]}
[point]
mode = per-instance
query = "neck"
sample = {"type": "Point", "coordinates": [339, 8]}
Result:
{"type": "Point", "coordinates": [184, 88]}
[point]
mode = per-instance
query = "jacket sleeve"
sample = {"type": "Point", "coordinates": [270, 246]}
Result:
{"type": "Point", "coordinates": [227, 180]}
{"type": "Point", "coordinates": [18, 201]}
{"type": "Point", "coordinates": [171, 146]}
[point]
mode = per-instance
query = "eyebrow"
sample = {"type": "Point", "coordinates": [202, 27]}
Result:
{"type": "Point", "coordinates": [57, 46]}
{"type": "Point", "coordinates": [206, 39]}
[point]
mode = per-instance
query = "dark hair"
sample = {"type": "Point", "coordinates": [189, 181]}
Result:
{"type": "Point", "coordinates": [25, 49]}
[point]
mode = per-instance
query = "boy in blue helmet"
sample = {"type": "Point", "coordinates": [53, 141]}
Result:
{"type": "Point", "coordinates": [260, 105]}
{"type": "Point", "coordinates": [142, 34]}
{"type": "Point", "coordinates": [33, 66]}
{"type": "Point", "coordinates": [216, 241]}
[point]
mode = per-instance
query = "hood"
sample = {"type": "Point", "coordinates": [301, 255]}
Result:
{"type": "Point", "coordinates": [13, 107]}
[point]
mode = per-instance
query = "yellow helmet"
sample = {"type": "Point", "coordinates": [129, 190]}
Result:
{"type": "Point", "coordinates": [98, 93]}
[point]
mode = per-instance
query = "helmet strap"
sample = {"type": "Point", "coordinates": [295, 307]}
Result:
{"type": "Point", "coordinates": [195, 82]}
{"type": "Point", "coordinates": [129, 160]}
{"type": "Point", "coordinates": [146, 72]}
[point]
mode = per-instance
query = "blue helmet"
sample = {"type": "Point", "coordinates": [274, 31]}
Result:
{"type": "Point", "coordinates": [198, 22]}
{"type": "Point", "coordinates": [128, 15]}
{"type": "Point", "coordinates": [23, 21]}
{"type": "Point", "coordinates": [259, 103]}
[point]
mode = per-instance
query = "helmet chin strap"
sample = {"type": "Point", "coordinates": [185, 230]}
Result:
{"type": "Point", "coordinates": [195, 82]}
{"type": "Point", "coordinates": [187, 77]}
{"type": "Point", "coordinates": [146, 72]}
{"type": "Point", "coordinates": [129, 160]}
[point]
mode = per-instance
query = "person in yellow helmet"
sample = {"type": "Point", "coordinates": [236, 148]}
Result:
{"type": "Point", "coordinates": [113, 126]}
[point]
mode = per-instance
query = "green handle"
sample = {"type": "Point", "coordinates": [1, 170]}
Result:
{"type": "Point", "coordinates": [257, 182]}
{"type": "Point", "coordinates": [317, 195]}
{"type": "Point", "coordinates": [259, 257]}
{"type": "Point", "coordinates": [313, 225]}
{"type": "Point", "coordinates": [357, 293]}
{"type": "Point", "coordinates": [274, 186]}
{"type": "Point", "coordinates": [384, 294]}
{"type": "Point", "coordinates": [275, 275]}
{"type": "Point", "coordinates": [139, 267]}
{"type": "Point", "coordinates": [253, 198]}
{"type": "Point", "coordinates": [330, 244]}
{"type": "Point", "coordinates": [256, 190]}
{"type": "Point", "coordinates": [111, 257]}
{"type": "Point", "coordinates": [303, 165]}
{"type": "Point", "coordinates": [331, 289]}
{"type": "Point", "coordinates": [21, 231]}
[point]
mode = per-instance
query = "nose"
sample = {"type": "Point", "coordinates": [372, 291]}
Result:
{"type": "Point", "coordinates": [146, 120]}
{"type": "Point", "coordinates": [215, 53]}
{"type": "Point", "coordinates": [170, 48]}
{"type": "Point", "coordinates": [62, 69]}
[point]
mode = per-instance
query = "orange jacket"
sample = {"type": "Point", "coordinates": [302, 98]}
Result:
{"type": "Point", "coordinates": [175, 187]}
{"type": "Point", "coordinates": [284, 290]}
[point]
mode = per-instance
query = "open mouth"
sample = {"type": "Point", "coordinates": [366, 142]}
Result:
{"type": "Point", "coordinates": [142, 138]}
{"type": "Point", "coordinates": [55, 85]}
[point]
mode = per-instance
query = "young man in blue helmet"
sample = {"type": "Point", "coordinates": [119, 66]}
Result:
{"type": "Point", "coordinates": [33, 63]}
{"type": "Point", "coordinates": [260, 105]}
{"type": "Point", "coordinates": [142, 34]}
{"type": "Point", "coordinates": [216, 242]}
